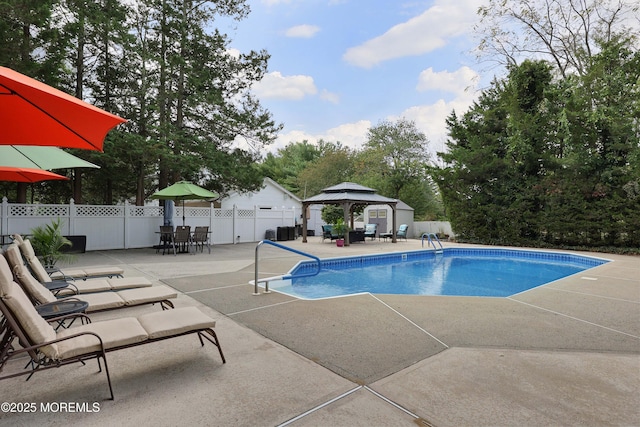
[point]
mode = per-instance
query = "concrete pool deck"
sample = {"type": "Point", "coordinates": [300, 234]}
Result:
{"type": "Point", "coordinates": [567, 353]}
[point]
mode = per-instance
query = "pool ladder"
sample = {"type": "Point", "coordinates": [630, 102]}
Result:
{"type": "Point", "coordinates": [432, 238]}
{"type": "Point", "coordinates": [286, 276]}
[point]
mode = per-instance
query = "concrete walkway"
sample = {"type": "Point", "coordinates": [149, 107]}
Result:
{"type": "Point", "coordinates": [567, 353]}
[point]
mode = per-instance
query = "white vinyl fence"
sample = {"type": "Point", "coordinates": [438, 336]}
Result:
{"type": "Point", "coordinates": [129, 226]}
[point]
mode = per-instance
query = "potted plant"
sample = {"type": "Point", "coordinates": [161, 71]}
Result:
{"type": "Point", "coordinates": [339, 228]}
{"type": "Point", "coordinates": [48, 242]}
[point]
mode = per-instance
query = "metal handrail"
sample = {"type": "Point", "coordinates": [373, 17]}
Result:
{"type": "Point", "coordinates": [430, 241]}
{"type": "Point", "coordinates": [286, 276]}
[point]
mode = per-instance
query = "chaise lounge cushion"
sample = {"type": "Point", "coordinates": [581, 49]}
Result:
{"type": "Point", "coordinates": [37, 292]}
{"type": "Point", "coordinates": [102, 301]}
{"type": "Point", "coordinates": [177, 321]}
{"type": "Point", "coordinates": [37, 329]}
{"type": "Point", "coordinates": [82, 273]}
{"type": "Point", "coordinates": [30, 255]}
{"type": "Point", "coordinates": [114, 333]}
{"type": "Point", "coordinates": [126, 282]}
{"type": "Point", "coordinates": [146, 295]}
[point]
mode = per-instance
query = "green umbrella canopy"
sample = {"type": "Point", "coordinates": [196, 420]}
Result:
{"type": "Point", "coordinates": [184, 190]}
{"type": "Point", "coordinates": [47, 158]}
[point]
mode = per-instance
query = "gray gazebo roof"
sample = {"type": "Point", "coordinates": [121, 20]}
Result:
{"type": "Point", "coordinates": [349, 192]}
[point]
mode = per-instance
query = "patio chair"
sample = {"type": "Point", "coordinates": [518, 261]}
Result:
{"type": "Point", "coordinates": [200, 238]}
{"type": "Point", "coordinates": [83, 286]}
{"type": "Point", "coordinates": [326, 232]}
{"type": "Point", "coordinates": [48, 348]}
{"type": "Point", "coordinates": [182, 238]}
{"type": "Point", "coordinates": [402, 231]}
{"type": "Point", "coordinates": [166, 238]}
{"type": "Point", "coordinates": [99, 301]}
{"type": "Point", "coordinates": [371, 230]}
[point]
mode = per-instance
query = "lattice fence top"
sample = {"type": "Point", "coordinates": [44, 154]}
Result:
{"type": "Point", "coordinates": [197, 212]}
{"type": "Point", "coordinates": [39, 210]}
{"type": "Point", "coordinates": [246, 213]}
{"type": "Point", "coordinates": [223, 213]}
{"type": "Point", "coordinates": [99, 211]}
{"type": "Point", "coordinates": [144, 211]}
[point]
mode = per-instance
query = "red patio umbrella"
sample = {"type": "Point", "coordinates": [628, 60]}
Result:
{"type": "Point", "coordinates": [13, 174]}
{"type": "Point", "coordinates": [33, 113]}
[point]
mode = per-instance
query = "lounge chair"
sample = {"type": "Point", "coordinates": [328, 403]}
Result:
{"type": "Point", "coordinates": [109, 271]}
{"type": "Point", "coordinates": [50, 349]}
{"type": "Point", "coordinates": [99, 301]}
{"type": "Point", "coordinates": [402, 231]}
{"type": "Point", "coordinates": [371, 230]}
{"type": "Point", "coordinates": [83, 286]}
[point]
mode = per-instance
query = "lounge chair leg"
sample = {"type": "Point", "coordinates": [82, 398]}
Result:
{"type": "Point", "coordinates": [213, 340]}
{"type": "Point", "coordinates": [166, 304]}
{"type": "Point", "coordinates": [106, 370]}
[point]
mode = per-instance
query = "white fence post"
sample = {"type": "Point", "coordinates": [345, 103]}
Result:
{"type": "Point", "coordinates": [4, 225]}
{"type": "Point", "coordinates": [72, 217]}
{"type": "Point", "coordinates": [235, 215]}
{"type": "Point", "coordinates": [211, 213]}
{"type": "Point", "coordinates": [125, 225]}
{"type": "Point", "coordinates": [255, 224]}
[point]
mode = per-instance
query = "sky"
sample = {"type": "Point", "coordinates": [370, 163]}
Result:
{"type": "Point", "coordinates": [339, 67]}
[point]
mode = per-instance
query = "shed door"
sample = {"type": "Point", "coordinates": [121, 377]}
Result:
{"type": "Point", "coordinates": [378, 216]}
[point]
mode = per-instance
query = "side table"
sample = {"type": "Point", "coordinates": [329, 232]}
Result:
{"type": "Point", "coordinates": [62, 308]}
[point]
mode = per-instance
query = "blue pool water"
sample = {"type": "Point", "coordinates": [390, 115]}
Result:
{"type": "Point", "coordinates": [457, 271]}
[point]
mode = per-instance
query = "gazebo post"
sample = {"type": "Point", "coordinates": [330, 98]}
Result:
{"type": "Point", "coordinates": [304, 222]}
{"type": "Point", "coordinates": [346, 207]}
{"type": "Point", "coordinates": [393, 221]}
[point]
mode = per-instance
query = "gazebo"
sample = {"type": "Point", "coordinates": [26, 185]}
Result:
{"type": "Point", "coordinates": [348, 195]}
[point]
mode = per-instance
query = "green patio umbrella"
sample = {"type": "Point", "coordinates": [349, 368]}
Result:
{"type": "Point", "coordinates": [40, 157]}
{"type": "Point", "coordinates": [184, 190]}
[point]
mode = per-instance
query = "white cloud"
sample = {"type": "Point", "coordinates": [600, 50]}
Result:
{"type": "Point", "coordinates": [234, 53]}
{"type": "Point", "coordinates": [432, 118]}
{"type": "Point", "coordinates": [421, 34]}
{"type": "Point", "coordinates": [276, 86]}
{"type": "Point", "coordinates": [302, 31]}
{"type": "Point", "coordinates": [429, 118]}
{"type": "Point", "coordinates": [351, 135]}
{"type": "Point", "coordinates": [333, 98]}
{"type": "Point", "coordinates": [456, 82]}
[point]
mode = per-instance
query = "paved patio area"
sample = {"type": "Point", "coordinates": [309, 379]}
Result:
{"type": "Point", "coordinates": [567, 353]}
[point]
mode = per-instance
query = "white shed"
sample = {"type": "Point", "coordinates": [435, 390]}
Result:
{"type": "Point", "coordinates": [271, 196]}
{"type": "Point", "coordinates": [382, 215]}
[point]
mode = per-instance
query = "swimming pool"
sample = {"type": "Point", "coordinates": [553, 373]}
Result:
{"type": "Point", "coordinates": [455, 271]}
